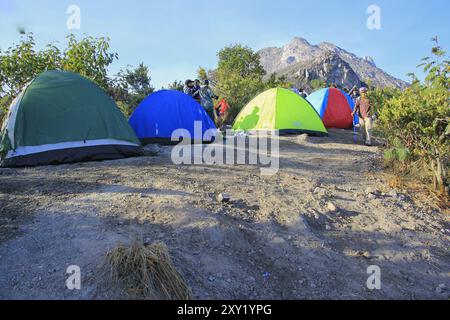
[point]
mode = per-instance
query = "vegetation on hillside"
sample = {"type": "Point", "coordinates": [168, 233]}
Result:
{"type": "Point", "coordinates": [415, 122]}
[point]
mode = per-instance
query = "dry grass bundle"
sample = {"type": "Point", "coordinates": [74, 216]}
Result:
{"type": "Point", "coordinates": [145, 272]}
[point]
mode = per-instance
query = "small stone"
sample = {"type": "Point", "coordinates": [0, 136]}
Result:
{"type": "Point", "coordinates": [327, 227]}
{"type": "Point", "coordinates": [393, 194]}
{"type": "Point", "coordinates": [223, 198]}
{"type": "Point", "coordinates": [331, 207]}
{"type": "Point", "coordinates": [321, 192]}
{"type": "Point", "coordinates": [441, 288]}
{"type": "Point", "coordinates": [278, 240]}
{"type": "Point", "coordinates": [211, 279]}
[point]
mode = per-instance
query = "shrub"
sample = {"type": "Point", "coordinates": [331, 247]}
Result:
{"type": "Point", "coordinates": [416, 122]}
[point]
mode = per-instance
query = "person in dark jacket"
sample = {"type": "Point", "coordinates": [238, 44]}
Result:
{"type": "Point", "coordinates": [196, 91]}
{"type": "Point", "coordinates": [189, 87]}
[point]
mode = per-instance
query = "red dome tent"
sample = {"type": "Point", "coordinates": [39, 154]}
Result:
{"type": "Point", "coordinates": [334, 106]}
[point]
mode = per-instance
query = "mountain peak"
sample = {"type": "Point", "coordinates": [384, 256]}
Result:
{"type": "Point", "coordinates": [299, 58]}
{"type": "Point", "coordinates": [299, 40]}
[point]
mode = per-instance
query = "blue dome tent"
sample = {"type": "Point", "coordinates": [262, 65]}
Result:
{"type": "Point", "coordinates": [163, 112]}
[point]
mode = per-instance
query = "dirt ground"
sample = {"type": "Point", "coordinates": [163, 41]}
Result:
{"type": "Point", "coordinates": [278, 238]}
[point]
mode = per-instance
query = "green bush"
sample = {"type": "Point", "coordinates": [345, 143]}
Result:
{"type": "Point", "coordinates": [415, 122]}
{"type": "Point", "coordinates": [397, 152]}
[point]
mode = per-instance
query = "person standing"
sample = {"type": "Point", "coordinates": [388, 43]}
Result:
{"type": "Point", "coordinates": [196, 91]}
{"type": "Point", "coordinates": [363, 108]}
{"type": "Point", "coordinates": [207, 96]}
{"type": "Point", "coordinates": [221, 110]}
{"type": "Point", "coordinates": [189, 87]}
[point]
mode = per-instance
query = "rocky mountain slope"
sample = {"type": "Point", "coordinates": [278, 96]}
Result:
{"type": "Point", "coordinates": [302, 62]}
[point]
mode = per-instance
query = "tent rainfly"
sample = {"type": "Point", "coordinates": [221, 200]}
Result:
{"type": "Point", "coordinates": [280, 109]}
{"type": "Point", "coordinates": [334, 106]}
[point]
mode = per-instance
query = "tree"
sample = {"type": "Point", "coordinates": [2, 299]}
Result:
{"type": "Point", "coordinates": [275, 81]}
{"type": "Point", "coordinates": [131, 87]}
{"type": "Point", "coordinates": [317, 84]}
{"type": "Point", "coordinates": [89, 57]}
{"type": "Point", "coordinates": [239, 75]}
{"type": "Point", "coordinates": [176, 85]}
{"type": "Point", "coordinates": [202, 74]}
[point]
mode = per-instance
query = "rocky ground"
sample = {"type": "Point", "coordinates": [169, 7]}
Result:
{"type": "Point", "coordinates": [308, 232]}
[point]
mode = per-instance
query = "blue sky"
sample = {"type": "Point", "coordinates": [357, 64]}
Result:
{"type": "Point", "coordinates": [175, 37]}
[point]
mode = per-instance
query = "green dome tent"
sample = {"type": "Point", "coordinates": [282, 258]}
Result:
{"type": "Point", "coordinates": [280, 109]}
{"type": "Point", "coordinates": [62, 117]}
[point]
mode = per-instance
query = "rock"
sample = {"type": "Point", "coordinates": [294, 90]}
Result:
{"type": "Point", "coordinates": [211, 279]}
{"type": "Point", "coordinates": [321, 192]}
{"type": "Point", "coordinates": [278, 240]}
{"type": "Point", "coordinates": [372, 193]}
{"type": "Point", "coordinates": [441, 288]}
{"type": "Point", "coordinates": [393, 194]}
{"type": "Point", "coordinates": [223, 198]}
{"type": "Point", "coordinates": [327, 227]}
{"type": "Point", "coordinates": [331, 207]}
